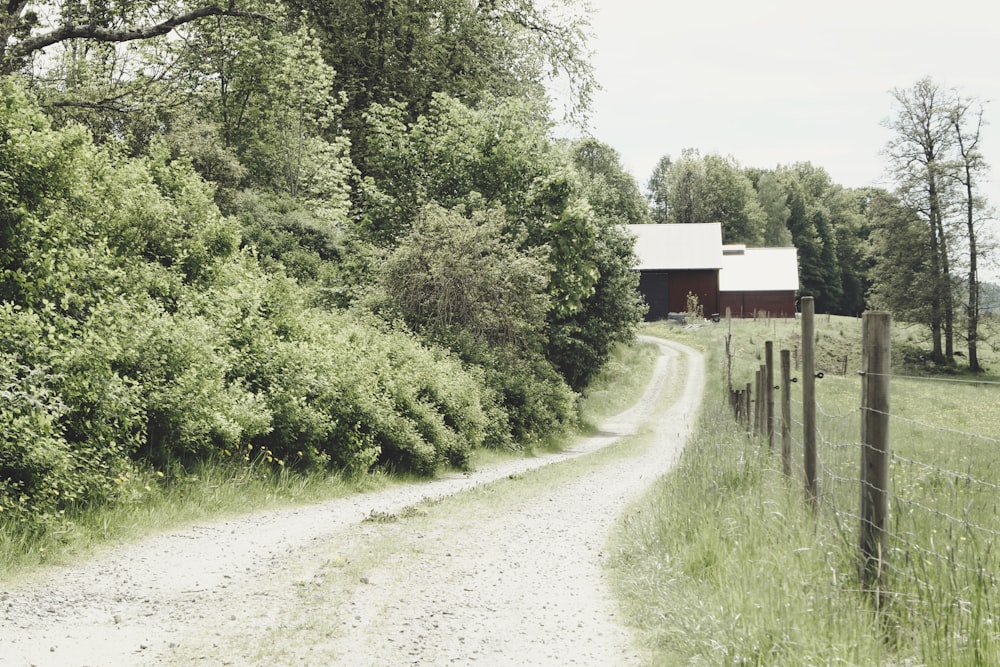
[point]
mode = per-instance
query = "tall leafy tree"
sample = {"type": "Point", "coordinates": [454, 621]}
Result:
{"type": "Point", "coordinates": [709, 189]}
{"type": "Point", "coordinates": [657, 190]}
{"type": "Point", "coordinates": [825, 223]}
{"type": "Point", "coordinates": [500, 156]}
{"type": "Point", "coordinates": [773, 196]}
{"type": "Point", "coordinates": [611, 190]}
{"type": "Point", "coordinates": [409, 50]}
{"type": "Point", "coordinates": [851, 234]}
{"type": "Point", "coordinates": [920, 159]}
{"type": "Point", "coordinates": [901, 275]}
{"type": "Point", "coordinates": [967, 121]}
{"type": "Point", "coordinates": [580, 343]}
{"type": "Point", "coordinates": [728, 197]}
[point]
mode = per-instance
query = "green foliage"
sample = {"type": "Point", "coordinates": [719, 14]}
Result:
{"type": "Point", "coordinates": [581, 343]}
{"type": "Point", "coordinates": [827, 225]}
{"type": "Point", "coordinates": [36, 466]}
{"type": "Point", "coordinates": [453, 155]}
{"type": "Point", "coordinates": [133, 333]}
{"type": "Point", "coordinates": [501, 157]}
{"type": "Point", "coordinates": [611, 191]}
{"type": "Point", "coordinates": [453, 277]}
{"type": "Point", "coordinates": [708, 189]}
{"type": "Point", "coordinates": [460, 282]}
{"type": "Point", "coordinates": [409, 51]}
{"type": "Point", "coordinates": [156, 330]}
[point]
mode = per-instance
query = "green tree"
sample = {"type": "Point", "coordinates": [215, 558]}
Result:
{"type": "Point", "coordinates": [501, 157]}
{"type": "Point", "coordinates": [464, 282]}
{"type": "Point", "coordinates": [479, 158]}
{"type": "Point", "coordinates": [824, 223]}
{"type": "Point", "coordinates": [710, 189]}
{"type": "Point", "coordinates": [407, 51]}
{"type": "Point", "coordinates": [657, 190]}
{"type": "Point", "coordinates": [921, 163]}
{"type": "Point", "coordinates": [581, 342]}
{"type": "Point", "coordinates": [728, 197]}
{"type": "Point", "coordinates": [611, 190]}
{"type": "Point", "coordinates": [902, 280]}
{"type": "Point", "coordinates": [773, 196]}
{"type": "Point", "coordinates": [454, 278]}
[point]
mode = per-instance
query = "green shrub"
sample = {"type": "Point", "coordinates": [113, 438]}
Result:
{"type": "Point", "coordinates": [537, 401]}
{"type": "Point", "coordinates": [36, 465]}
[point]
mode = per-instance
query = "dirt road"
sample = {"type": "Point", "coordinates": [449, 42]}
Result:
{"type": "Point", "coordinates": [517, 584]}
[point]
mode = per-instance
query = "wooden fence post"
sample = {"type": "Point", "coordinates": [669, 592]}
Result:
{"type": "Point", "coordinates": [757, 402]}
{"type": "Point", "coordinates": [729, 349]}
{"type": "Point", "coordinates": [809, 397]}
{"type": "Point", "coordinates": [769, 388]}
{"type": "Point", "coordinates": [874, 512]}
{"type": "Point", "coordinates": [748, 396]}
{"type": "Point", "coordinates": [762, 397]}
{"type": "Point", "coordinates": [786, 413]}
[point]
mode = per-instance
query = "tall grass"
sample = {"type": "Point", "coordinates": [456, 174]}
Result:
{"type": "Point", "coordinates": [944, 491]}
{"type": "Point", "coordinates": [149, 502]}
{"type": "Point", "coordinates": [724, 564]}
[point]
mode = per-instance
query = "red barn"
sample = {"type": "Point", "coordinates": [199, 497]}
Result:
{"type": "Point", "coordinates": [675, 260]}
{"type": "Point", "coordinates": [760, 281]}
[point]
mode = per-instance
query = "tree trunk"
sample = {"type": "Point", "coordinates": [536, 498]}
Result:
{"type": "Point", "coordinates": [969, 156]}
{"type": "Point", "coordinates": [937, 353]}
{"type": "Point", "coordinates": [973, 306]}
{"type": "Point", "coordinates": [947, 296]}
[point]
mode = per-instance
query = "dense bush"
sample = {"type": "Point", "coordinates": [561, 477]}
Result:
{"type": "Point", "coordinates": [142, 328]}
{"type": "Point", "coordinates": [463, 282]}
{"type": "Point", "coordinates": [133, 331]}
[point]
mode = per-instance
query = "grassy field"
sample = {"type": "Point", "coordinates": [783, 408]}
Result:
{"type": "Point", "coordinates": [725, 564]}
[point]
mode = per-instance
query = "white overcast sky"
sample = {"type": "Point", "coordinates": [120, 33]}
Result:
{"type": "Point", "coordinates": [781, 81]}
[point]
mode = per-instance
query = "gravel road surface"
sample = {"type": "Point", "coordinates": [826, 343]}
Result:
{"type": "Point", "coordinates": [517, 584]}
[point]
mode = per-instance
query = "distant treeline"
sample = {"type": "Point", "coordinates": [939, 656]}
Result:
{"type": "Point", "coordinates": [915, 250]}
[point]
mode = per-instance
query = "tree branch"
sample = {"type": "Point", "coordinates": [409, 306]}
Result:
{"type": "Point", "coordinates": [103, 34]}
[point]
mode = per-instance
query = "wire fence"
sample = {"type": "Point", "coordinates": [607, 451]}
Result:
{"type": "Point", "coordinates": [943, 533]}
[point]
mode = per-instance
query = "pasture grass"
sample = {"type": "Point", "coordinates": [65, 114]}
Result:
{"type": "Point", "coordinates": [724, 563]}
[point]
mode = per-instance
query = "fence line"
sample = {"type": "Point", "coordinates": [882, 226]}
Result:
{"type": "Point", "coordinates": [942, 550]}
{"type": "Point", "coordinates": [922, 378]}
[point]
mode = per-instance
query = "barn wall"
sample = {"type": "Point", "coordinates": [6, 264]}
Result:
{"type": "Point", "coordinates": [703, 283]}
{"type": "Point", "coordinates": [666, 291]}
{"type": "Point", "coordinates": [654, 287]}
{"type": "Point", "coordinates": [746, 304]}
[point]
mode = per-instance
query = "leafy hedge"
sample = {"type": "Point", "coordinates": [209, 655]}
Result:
{"type": "Point", "coordinates": [135, 332]}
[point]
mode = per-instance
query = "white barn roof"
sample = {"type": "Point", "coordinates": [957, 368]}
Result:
{"type": "Point", "coordinates": [677, 247]}
{"type": "Point", "coordinates": [759, 270]}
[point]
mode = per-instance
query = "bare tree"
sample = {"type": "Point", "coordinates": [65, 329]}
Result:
{"type": "Point", "coordinates": [920, 160]}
